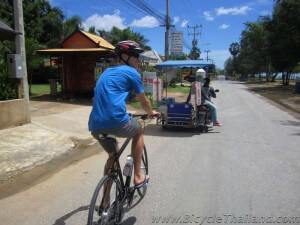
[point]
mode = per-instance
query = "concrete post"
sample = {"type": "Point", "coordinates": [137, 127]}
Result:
{"type": "Point", "coordinates": [20, 49]}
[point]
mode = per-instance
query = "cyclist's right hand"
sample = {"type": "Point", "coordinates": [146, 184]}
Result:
{"type": "Point", "coordinates": [153, 114]}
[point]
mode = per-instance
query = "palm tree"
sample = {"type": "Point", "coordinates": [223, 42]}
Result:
{"type": "Point", "coordinates": [234, 50]}
{"type": "Point", "coordinates": [70, 25]}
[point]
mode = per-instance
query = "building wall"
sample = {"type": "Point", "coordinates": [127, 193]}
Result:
{"type": "Point", "coordinates": [12, 113]}
{"type": "Point", "coordinates": [79, 72]}
{"type": "Point", "coordinates": [77, 40]}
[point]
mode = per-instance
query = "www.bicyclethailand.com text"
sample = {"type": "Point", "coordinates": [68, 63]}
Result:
{"type": "Point", "coordinates": [226, 219]}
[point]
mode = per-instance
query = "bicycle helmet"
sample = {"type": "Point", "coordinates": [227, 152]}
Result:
{"type": "Point", "coordinates": [130, 48]}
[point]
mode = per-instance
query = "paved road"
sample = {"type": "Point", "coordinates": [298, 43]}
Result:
{"type": "Point", "coordinates": [250, 166]}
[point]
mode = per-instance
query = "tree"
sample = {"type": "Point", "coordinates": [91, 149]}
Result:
{"type": "Point", "coordinates": [285, 37]}
{"type": "Point", "coordinates": [254, 52]}
{"type": "Point", "coordinates": [33, 60]}
{"type": "Point", "coordinates": [228, 66]}
{"type": "Point", "coordinates": [234, 50]}
{"type": "Point", "coordinates": [116, 35]}
{"type": "Point", "coordinates": [43, 26]}
{"type": "Point", "coordinates": [92, 30]}
{"type": "Point", "coordinates": [70, 25]}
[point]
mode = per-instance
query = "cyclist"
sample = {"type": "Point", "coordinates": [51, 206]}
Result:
{"type": "Point", "coordinates": [109, 114]}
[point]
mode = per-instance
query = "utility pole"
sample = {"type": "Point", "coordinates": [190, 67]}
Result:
{"type": "Point", "coordinates": [20, 49]}
{"type": "Point", "coordinates": [195, 52]}
{"type": "Point", "coordinates": [207, 54]}
{"type": "Point", "coordinates": [167, 32]}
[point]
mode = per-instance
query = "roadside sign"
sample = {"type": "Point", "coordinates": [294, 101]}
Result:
{"type": "Point", "coordinates": [148, 78]}
{"type": "Point", "coordinates": [157, 89]}
{"type": "Point", "coordinates": [198, 93]}
{"type": "Point", "coordinates": [176, 42]}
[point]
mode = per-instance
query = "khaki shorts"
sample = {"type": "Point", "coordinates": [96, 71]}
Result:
{"type": "Point", "coordinates": [128, 130]}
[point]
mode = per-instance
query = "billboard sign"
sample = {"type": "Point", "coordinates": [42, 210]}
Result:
{"type": "Point", "coordinates": [176, 42]}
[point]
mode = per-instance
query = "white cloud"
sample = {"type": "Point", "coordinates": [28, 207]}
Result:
{"type": "Point", "coordinates": [207, 15]}
{"type": "Point", "coordinates": [264, 1]}
{"type": "Point", "coordinates": [105, 22]}
{"type": "Point", "coordinates": [265, 13]}
{"type": "Point", "coordinates": [233, 11]}
{"type": "Point", "coordinates": [224, 26]}
{"type": "Point", "coordinates": [184, 23]}
{"type": "Point", "coordinates": [220, 56]}
{"type": "Point", "coordinates": [176, 19]}
{"type": "Point", "coordinates": [147, 21]}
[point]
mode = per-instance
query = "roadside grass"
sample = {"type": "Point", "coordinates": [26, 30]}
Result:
{"type": "Point", "coordinates": [275, 91]}
{"type": "Point", "coordinates": [42, 89]}
{"type": "Point", "coordinates": [179, 89]}
{"type": "Point", "coordinates": [137, 104]}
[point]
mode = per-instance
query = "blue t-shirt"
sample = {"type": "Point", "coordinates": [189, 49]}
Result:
{"type": "Point", "coordinates": [111, 92]}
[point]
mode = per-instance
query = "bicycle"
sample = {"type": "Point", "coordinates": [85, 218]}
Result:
{"type": "Point", "coordinates": [113, 189]}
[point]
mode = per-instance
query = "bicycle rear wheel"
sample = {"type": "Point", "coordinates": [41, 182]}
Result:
{"type": "Point", "coordinates": [144, 170]}
{"type": "Point", "coordinates": [105, 207]}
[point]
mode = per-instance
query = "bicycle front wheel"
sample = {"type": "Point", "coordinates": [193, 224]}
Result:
{"type": "Point", "coordinates": [105, 207]}
{"type": "Point", "coordinates": [144, 170]}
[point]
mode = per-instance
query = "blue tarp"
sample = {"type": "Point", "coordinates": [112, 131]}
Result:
{"type": "Point", "coordinates": [170, 64]}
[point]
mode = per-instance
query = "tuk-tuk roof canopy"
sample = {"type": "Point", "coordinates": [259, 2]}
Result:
{"type": "Point", "coordinates": [170, 64]}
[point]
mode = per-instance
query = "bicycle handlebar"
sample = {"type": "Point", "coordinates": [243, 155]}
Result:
{"type": "Point", "coordinates": [142, 116]}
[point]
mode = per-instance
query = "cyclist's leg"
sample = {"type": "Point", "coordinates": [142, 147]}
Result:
{"type": "Point", "coordinates": [109, 145]}
{"type": "Point", "coordinates": [137, 152]}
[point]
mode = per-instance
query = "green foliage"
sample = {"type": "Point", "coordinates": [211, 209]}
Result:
{"type": "Point", "coordinates": [70, 25]}
{"type": "Point", "coordinates": [116, 35]}
{"type": "Point", "coordinates": [139, 106]}
{"type": "Point", "coordinates": [178, 57]}
{"type": "Point", "coordinates": [6, 12]}
{"type": "Point", "coordinates": [271, 44]}
{"type": "Point", "coordinates": [92, 30]}
{"type": "Point", "coordinates": [7, 86]}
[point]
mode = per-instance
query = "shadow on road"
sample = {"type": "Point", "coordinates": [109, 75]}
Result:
{"type": "Point", "coordinates": [61, 220]}
{"type": "Point", "coordinates": [157, 130]}
{"type": "Point", "coordinates": [129, 221]}
{"type": "Point", "coordinates": [83, 100]}
{"type": "Point", "coordinates": [290, 123]}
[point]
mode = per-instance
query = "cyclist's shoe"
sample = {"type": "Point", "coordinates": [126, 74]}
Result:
{"type": "Point", "coordinates": [142, 184]}
{"type": "Point", "coordinates": [100, 209]}
{"type": "Point", "coordinates": [218, 124]}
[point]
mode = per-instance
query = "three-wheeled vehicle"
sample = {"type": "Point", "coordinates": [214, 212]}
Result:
{"type": "Point", "coordinates": [189, 114]}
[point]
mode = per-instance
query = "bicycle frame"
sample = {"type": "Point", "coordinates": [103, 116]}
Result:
{"type": "Point", "coordinates": [117, 155]}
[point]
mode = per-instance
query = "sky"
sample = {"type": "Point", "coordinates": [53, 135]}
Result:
{"type": "Point", "coordinates": [218, 22]}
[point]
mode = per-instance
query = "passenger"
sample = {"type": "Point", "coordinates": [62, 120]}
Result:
{"type": "Point", "coordinates": [206, 93]}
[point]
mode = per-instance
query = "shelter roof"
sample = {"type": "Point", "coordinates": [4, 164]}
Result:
{"type": "Point", "coordinates": [98, 40]}
{"type": "Point", "coordinates": [81, 41]}
{"type": "Point", "coordinates": [170, 64]}
{"type": "Point", "coordinates": [66, 50]}
{"type": "Point", "coordinates": [6, 33]}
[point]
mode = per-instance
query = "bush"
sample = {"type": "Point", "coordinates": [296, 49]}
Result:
{"type": "Point", "coordinates": [7, 85]}
{"type": "Point", "coordinates": [43, 73]}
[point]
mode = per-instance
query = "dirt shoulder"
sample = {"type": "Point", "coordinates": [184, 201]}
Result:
{"type": "Point", "coordinates": [284, 96]}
